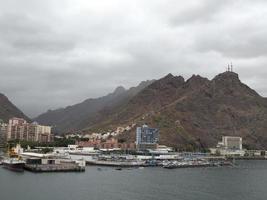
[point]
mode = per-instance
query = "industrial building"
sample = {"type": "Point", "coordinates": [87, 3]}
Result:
{"type": "Point", "coordinates": [230, 142]}
{"type": "Point", "coordinates": [229, 146]}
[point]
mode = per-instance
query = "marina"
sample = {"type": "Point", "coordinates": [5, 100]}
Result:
{"type": "Point", "coordinates": [63, 160]}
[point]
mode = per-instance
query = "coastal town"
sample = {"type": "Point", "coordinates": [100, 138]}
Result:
{"type": "Point", "coordinates": [133, 100]}
{"type": "Point", "coordinates": [106, 150]}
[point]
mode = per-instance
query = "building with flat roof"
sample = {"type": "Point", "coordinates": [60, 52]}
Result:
{"type": "Point", "coordinates": [229, 146]}
{"type": "Point", "coordinates": [231, 142]}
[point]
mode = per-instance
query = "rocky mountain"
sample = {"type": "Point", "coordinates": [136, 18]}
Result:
{"type": "Point", "coordinates": [83, 114]}
{"type": "Point", "coordinates": [193, 114]}
{"type": "Point", "coordinates": [8, 110]}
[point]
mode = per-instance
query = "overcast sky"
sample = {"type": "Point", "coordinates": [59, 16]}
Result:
{"type": "Point", "coordinates": [55, 53]}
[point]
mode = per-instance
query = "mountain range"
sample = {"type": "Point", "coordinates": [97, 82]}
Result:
{"type": "Point", "coordinates": [194, 114]}
{"type": "Point", "coordinates": [191, 114]}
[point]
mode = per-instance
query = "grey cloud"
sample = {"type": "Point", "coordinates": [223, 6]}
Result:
{"type": "Point", "coordinates": [240, 32]}
{"type": "Point", "coordinates": [200, 11]}
{"type": "Point", "coordinates": [57, 53]}
{"type": "Point", "coordinates": [27, 34]}
{"type": "Point", "coordinates": [235, 44]}
{"type": "Point", "coordinates": [47, 44]}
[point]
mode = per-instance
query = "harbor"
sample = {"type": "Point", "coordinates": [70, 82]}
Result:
{"type": "Point", "coordinates": [146, 153]}
{"type": "Point", "coordinates": [18, 160]}
{"type": "Point", "coordinates": [133, 100]}
{"type": "Point", "coordinates": [63, 160]}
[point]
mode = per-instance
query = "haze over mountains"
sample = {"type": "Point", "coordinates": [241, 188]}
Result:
{"type": "Point", "coordinates": [82, 115]}
{"type": "Point", "coordinates": [191, 114]}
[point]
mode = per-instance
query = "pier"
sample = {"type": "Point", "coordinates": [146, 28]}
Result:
{"type": "Point", "coordinates": [116, 163]}
{"type": "Point", "coordinates": [66, 167]}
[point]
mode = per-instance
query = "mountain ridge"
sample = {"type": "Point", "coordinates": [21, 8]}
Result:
{"type": "Point", "coordinates": [77, 116]}
{"type": "Point", "coordinates": [191, 114]}
{"type": "Point", "coordinates": [194, 113]}
{"type": "Point", "coordinates": [9, 110]}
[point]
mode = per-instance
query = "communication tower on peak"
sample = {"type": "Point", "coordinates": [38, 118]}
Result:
{"type": "Point", "coordinates": [230, 68]}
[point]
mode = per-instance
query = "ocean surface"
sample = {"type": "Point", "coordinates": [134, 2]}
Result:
{"type": "Point", "coordinates": [246, 181]}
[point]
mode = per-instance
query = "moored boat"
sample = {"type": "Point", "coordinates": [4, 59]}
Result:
{"type": "Point", "coordinates": [14, 164]}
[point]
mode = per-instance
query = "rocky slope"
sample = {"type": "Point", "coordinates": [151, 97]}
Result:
{"type": "Point", "coordinates": [8, 110]}
{"type": "Point", "coordinates": [193, 114]}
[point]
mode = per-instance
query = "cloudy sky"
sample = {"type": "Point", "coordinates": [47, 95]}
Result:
{"type": "Point", "coordinates": [57, 53]}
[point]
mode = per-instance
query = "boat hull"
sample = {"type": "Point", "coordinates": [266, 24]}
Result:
{"type": "Point", "coordinates": [18, 167]}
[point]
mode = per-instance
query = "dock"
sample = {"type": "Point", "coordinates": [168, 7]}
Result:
{"type": "Point", "coordinates": [66, 167]}
{"type": "Point", "coordinates": [176, 165]}
{"type": "Point", "coordinates": [116, 163]}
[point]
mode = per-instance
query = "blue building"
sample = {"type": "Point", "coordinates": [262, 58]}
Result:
{"type": "Point", "coordinates": [147, 138]}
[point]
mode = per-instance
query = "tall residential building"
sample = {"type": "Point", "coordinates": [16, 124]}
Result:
{"type": "Point", "coordinates": [15, 128]}
{"type": "Point", "coordinates": [3, 129]}
{"type": "Point", "coordinates": [19, 129]}
{"type": "Point", "coordinates": [39, 133]}
{"type": "Point", "coordinates": [147, 138]}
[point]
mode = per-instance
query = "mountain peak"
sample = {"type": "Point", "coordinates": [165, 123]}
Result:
{"type": "Point", "coordinates": [227, 76]}
{"type": "Point", "coordinates": [146, 83]}
{"type": "Point", "coordinates": [168, 80]}
{"type": "Point", "coordinates": [168, 76]}
{"type": "Point", "coordinates": [196, 80]}
{"type": "Point", "coordinates": [119, 90]}
{"type": "Point", "coordinates": [229, 83]}
{"type": "Point", "coordinates": [8, 109]}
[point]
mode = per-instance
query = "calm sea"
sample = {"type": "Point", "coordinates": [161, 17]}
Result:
{"type": "Point", "coordinates": [246, 181]}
